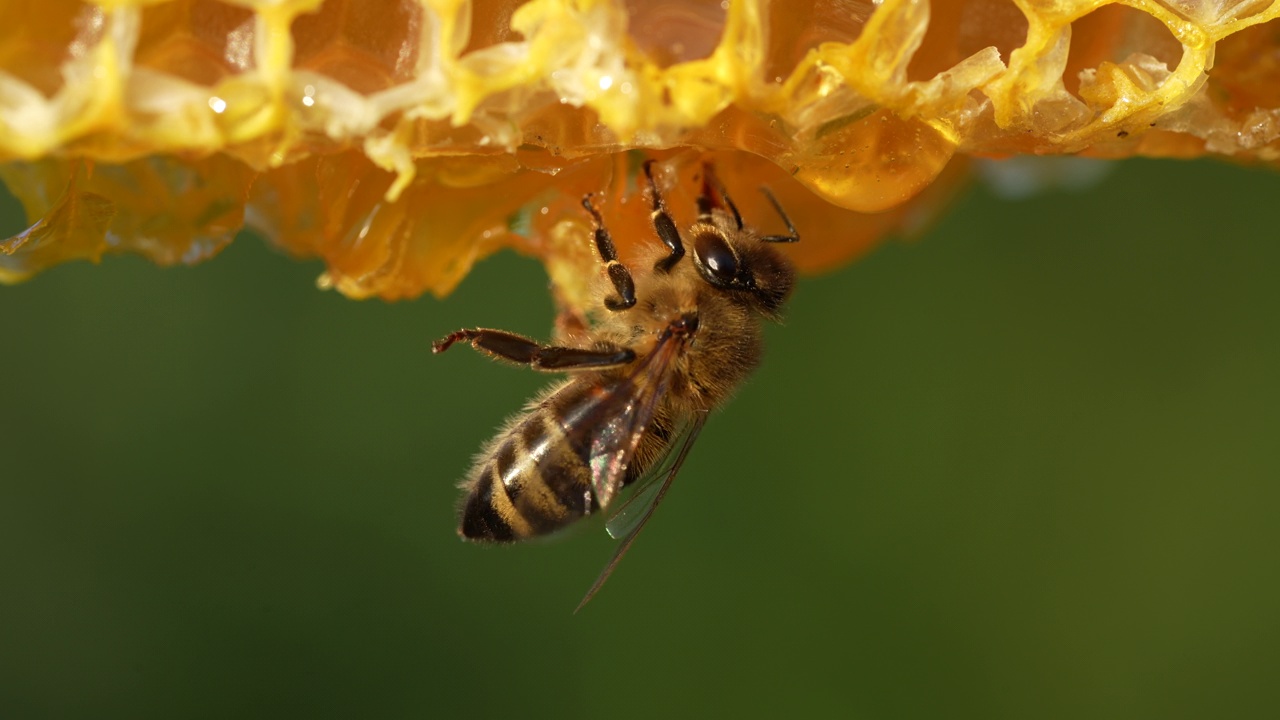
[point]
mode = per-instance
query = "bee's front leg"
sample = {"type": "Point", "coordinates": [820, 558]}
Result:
{"type": "Point", "coordinates": [663, 225]}
{"type": "Point", "coordinates": [707, 201]}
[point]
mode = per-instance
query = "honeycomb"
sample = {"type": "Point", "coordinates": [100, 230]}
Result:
{"type": "Point", "coordinates": [402, 140]}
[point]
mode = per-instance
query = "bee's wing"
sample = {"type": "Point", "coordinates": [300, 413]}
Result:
{"type": "Point", "coordinates": [636, 509]}
{"type": "Point", "coordinates": [631, 517]}
{"type": "Point", "coordinates": [619, 421]}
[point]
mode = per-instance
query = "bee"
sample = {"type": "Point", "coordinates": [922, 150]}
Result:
{"type": "Point", "coordinates": [674, 341]}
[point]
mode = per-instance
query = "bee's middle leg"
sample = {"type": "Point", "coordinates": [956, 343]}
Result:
{"type": "Point", "coordinates": [663, 225]}
{"type": "Point", "coordinates": [503, 345]}
{"type": "Point", "coordinates": [619, 275]}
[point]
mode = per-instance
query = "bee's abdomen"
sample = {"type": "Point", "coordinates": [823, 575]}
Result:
{"type": "Point", "coordinates": [534, 482]}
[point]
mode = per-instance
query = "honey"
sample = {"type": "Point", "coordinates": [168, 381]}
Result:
{"type": "Point", "coordinates": [402, 140]}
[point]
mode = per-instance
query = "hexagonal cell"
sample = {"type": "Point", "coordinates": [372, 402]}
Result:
{"type": "Point", "coordinates": [1113, 33]}
{"type": "Point", "coordinates": [367, 45]}
{"type": "Point", "coordinates": [957, 30]}
{"type": "Point", "coordinates": [491, 24]}
{"type": "Point", "coordinates": [1216, 13]}
{"type": "Point", "coordinates": [202, 41]}
{"type": "Point", "coordinates": [37, 38]}
{"type": "Point", "coordinates": [797, 28]}
{"type": "Point", "coordinates": [1246, 71]}
{"type": "Point", "coordinates": [672, 32]}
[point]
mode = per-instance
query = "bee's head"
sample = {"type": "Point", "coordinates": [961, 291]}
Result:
{"type": "Point", "coordinates": [743, 265]}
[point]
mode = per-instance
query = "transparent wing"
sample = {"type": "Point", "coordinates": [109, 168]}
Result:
{"type": "Point", "coordinates": [625, 519]}
{"type": "Point", "coordinates": [618, 422]}
{"type": "Point", "coordinates": [638, 512]}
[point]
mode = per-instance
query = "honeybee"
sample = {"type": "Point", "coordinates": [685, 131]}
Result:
{"type": "Point", "coordinates": [676, 339]}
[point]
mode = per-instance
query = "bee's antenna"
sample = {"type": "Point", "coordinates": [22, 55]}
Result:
{"type": "Point", "coordinates": [794, 236]}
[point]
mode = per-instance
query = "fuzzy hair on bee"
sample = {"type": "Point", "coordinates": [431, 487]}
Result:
{"type": "Point", "coordinates": [674, 341]}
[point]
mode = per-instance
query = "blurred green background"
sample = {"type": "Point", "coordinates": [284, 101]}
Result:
{"type": "Point", "coordinates": [1023, 467]}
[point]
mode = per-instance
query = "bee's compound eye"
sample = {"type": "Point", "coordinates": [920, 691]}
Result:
{"type": "Point", "coordinates": [716, 259]}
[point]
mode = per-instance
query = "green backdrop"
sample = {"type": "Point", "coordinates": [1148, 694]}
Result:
{"type": "Point", "coordinates": [1023, 467]}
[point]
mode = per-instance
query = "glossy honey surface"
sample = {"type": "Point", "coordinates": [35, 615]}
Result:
{"type": "Point", "coordinates": [401, 140]}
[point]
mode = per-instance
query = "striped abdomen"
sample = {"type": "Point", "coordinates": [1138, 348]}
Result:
{"type": "Point", "coordinates": [536, 479]}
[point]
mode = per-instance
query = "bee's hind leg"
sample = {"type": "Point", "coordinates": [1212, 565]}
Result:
{"type": "Point", "coordinates": [503, 345]}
